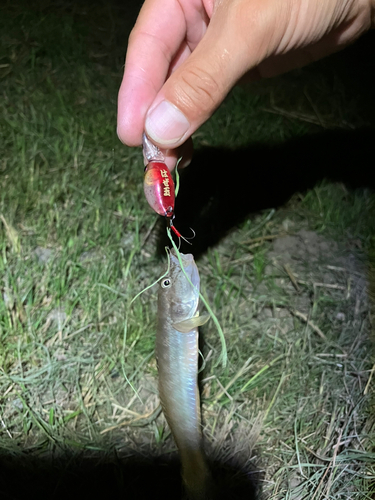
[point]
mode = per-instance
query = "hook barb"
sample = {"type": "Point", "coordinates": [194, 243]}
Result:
{"type": "Point", "coordinates": [179, 235]}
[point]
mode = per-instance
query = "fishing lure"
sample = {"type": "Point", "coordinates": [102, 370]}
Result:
{"type": "Point", "coordinates": [158, 184]}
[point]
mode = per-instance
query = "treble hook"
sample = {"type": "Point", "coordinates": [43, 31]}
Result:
{"type": "Point", "coordinates": [179, 235]}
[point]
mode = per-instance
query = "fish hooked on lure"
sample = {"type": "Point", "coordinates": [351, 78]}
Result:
{"type": "Point", "coordinates": [177, 358]}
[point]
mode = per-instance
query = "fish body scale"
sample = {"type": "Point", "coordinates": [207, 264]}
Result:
{"type": "Point", "coordinates": [178, 386]}
{"type": "Point", "coordinates": [179, 397]}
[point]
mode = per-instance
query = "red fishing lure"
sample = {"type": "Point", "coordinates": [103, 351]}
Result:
{"type": "Point", "coordinates": [158, 184]}
{"type": "Point", "coordinates": [159, 188]}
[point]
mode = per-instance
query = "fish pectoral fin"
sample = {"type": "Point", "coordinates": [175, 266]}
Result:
{"type": "Point", "coordinates": [189, 324]}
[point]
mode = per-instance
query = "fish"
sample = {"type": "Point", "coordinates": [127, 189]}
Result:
{"type": "Point", "coordinates": [177, 360]}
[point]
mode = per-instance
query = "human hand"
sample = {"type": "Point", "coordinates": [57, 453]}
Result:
{"type": "Point", "coordinates": [184, 56]}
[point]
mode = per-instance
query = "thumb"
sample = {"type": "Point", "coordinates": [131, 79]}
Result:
{"type": "Point", "coordinates": [194, 90]}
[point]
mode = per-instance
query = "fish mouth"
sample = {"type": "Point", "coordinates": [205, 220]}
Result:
{"type": "Point", "coordinates": [189, 265]}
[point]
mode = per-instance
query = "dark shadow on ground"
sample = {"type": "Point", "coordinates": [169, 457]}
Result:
{"type": "Point", "coordinates": [222, 187]}
{"type": "Point", "coordinates": [95, 479]}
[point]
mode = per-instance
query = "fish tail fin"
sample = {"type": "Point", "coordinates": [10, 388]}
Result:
{"type": "Point", "coordinates": [196, 477]}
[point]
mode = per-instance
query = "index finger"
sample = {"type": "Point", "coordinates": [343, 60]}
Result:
{"type": "Point", "coordinates": [153, 43]}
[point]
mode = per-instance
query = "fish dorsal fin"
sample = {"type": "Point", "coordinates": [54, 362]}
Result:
{"type": "Point", "coordinates": [189, 324]}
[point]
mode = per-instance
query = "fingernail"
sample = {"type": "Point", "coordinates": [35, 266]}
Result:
{"type": "Point", "coordinates": [166, 124]}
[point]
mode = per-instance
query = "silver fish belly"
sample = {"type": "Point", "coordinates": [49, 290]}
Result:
{"type": "Point", "coordinates": [177, 356]}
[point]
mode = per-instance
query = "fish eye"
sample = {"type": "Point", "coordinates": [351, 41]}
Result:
{"type": "Point", "coordinates": [166, 283]}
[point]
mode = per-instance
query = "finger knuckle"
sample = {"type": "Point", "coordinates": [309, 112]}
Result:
{"type": "Point", "coordinates": [197, 89]}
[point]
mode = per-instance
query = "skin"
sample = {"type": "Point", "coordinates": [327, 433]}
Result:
{"type": "Point", "coordinates": [190, 53]}
{"type": "Point", "coordinates": [177, 356]}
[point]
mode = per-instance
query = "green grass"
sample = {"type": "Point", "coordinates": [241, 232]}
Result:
{"type": "Point", "coordinates": [75, 249]}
